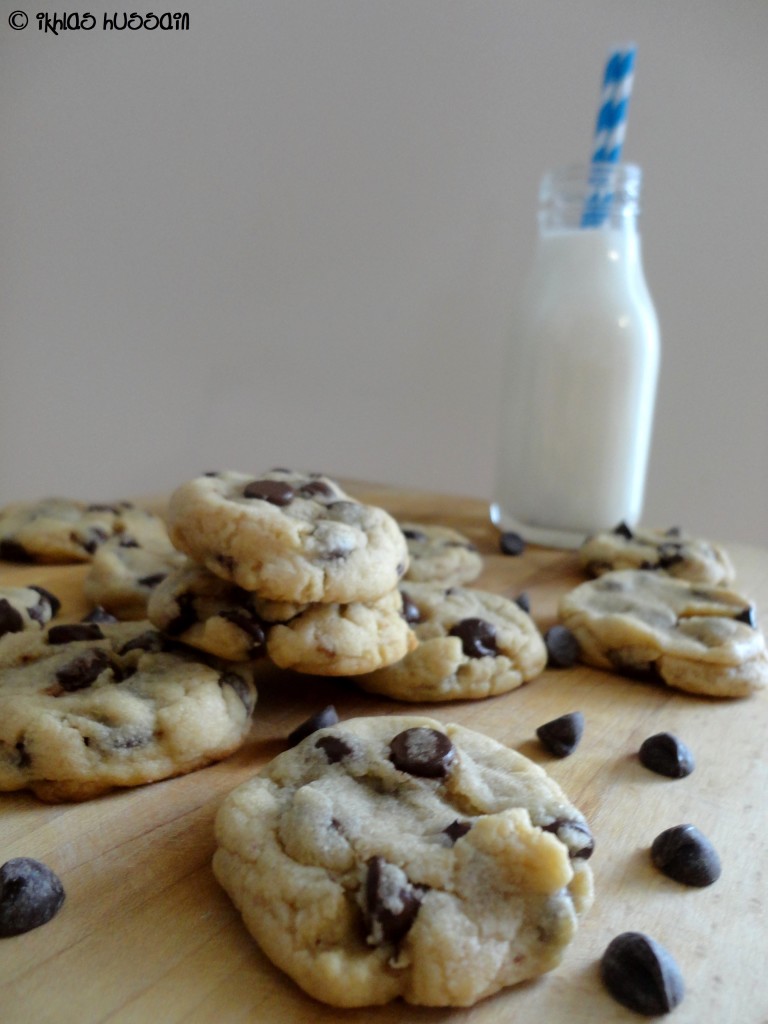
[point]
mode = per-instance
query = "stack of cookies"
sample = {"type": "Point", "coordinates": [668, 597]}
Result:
{"type": "Point", "coordinates": [288, 565]}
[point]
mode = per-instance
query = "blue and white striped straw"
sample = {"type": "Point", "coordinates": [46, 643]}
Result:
{"type": "Point", "coordinates": [614, 104]}
{"type": "Point", "coordinates": [610, 130]}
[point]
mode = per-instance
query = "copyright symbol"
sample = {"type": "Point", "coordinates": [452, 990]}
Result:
{"type": "Point", "coordinates": [18, 20]}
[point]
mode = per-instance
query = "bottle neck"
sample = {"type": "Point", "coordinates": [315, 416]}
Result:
{"type": "Point", "coordinates": [590, 197]}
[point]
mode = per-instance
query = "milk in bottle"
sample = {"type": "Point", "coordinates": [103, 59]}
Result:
{"type": "Point", "coordinates": [578, 396]}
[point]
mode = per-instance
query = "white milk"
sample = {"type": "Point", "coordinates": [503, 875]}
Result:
{"type": "Point", "coordinates": [578, 399]}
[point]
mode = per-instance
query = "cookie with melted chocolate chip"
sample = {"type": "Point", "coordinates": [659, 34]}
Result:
{"type": "Point", "coordinates": [440, 554]}
{"type": "Point", "coordinates": [86, 707]}
{"type": "Point", "coordinates": [395, 856]}
{"type": "Point", "coordinates": [701, 639]}
{"type": "Point", "coordinates": [207, 612]}
{"type": "Point", "coordinates": [23, 608]}
{"type": "Point", "coordinates": [472, 643]}
{"type": "Point", "coordinates": [672, 552]}
{"type": "Point", "coordinates": [288, 536]}
{"type": "Point", "coordinates": [60, 530]}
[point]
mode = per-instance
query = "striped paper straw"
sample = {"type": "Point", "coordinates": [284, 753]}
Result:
{"type": "Point", "coordinates": [610, 130]}
{"type": "Point", "coordinates": [614, 104]}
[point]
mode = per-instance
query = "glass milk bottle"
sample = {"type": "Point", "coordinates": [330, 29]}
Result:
{"type": "Point", "coordinates": [580, 384]}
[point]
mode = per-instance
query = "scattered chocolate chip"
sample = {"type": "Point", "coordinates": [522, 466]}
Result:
{"type": "Point", "coordinates": [83, 670]}
{"type": "Point", "coordinates": [276, 492]}
{"type": "Point", "coordinates": [410, 610]}
{"type": "Point", "coordinates": [68, 633]}
{"type": "Point", "coordinates": [686, 855]}
{"type": "Point", "coordinates": [12, 551]}
{"type": "Point", "coordinates": [749, 616]}
{"type": "Point", "coordinates": [665, 754]}
{"type": "Point", "coordinates": [335, 748]}
{"type": "Point", "coordinates": [523, 601]}
{"type": "Point", "coordinates": [641, 974]}
{"type": "Point", "coordinates": [11, 620]}
{"type": "Point", "coordinates": [241, 688]}
{"type": "Point", "coordinates": [99, 614]}
{"type": "Point", "coordinates": [575, 835]}
{"type": "Point", "coordinates": [478, 637]}
{"type": "Point", "coordinates": [151, 581]}
{"type": "Point", "coordinates": [391, 902]}
{"type": "Point", "coordinates": [457, 829]}
{"type": "Point", "coordinates": [30, 895]}
{"type": "Point", "coordinates": [511, 543]}
{"type": "Point", "coordinates": [623, 531]}
{"type": "Point", "coordinates": [561, 736]}
{"type": "Point", "coordinates": [423, 752]}
{"type": "Point", "coordinates": [562, 647]}
{"type": "Point", "coordinates": [320, 720]}
{"type": "Point", "coordinates": [48, 598]}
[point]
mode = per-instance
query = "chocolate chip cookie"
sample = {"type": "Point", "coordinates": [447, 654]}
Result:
{"type": "Point", "coordinates": [440, 554]}
{"type": "Point", "coordinates": [58, 530]}
{"type": "Point", "coordinates": [395, 857]}
{"type": "Point", "coordinates": [86, 707]}
{"type": "Point", "coordinates": [705, 640]}
{"type": "Point", "coordinates": [471, 643]}
{"type": "Point", "coordinates": [124, 571]}
{"type": "Point", "coordinates": [26, 608]}
{"type": "Point", "coordinates": [288, 536]}
{"type": "Point", "coordinates": [669, 551]}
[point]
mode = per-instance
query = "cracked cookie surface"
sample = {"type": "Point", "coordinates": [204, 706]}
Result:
{"type": "Point", "coordinates": [288, 536]}
{"type": "Point", "coordinates": [395, 856]}
{"type": "Point", "coordinates": [471, 643]}
{"type": "Point", "coordinates": [698, 638]}
{"type": "Point", "coordinates": [85, 707]}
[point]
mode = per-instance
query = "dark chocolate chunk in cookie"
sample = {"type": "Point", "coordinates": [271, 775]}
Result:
{"type": "Point", "coordinates": [478, 637]}
{"type": "Point", "coordinates": [426, 753]}
{"type": "Point", "coordinates": [391, 902]}
{"type": "Point", "coordinates": [276, 492]}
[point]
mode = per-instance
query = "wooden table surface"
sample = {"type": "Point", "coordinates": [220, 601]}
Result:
{"type": "Point", "coordinates": [147, 935]}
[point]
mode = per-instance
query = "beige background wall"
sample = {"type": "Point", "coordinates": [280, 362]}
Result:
{"type": "Point", "coordinates": [293, 235]}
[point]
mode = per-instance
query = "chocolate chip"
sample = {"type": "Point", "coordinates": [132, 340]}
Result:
{"type": "Point", "coordinates": [99, 614]}
{"type": "Point", "coordinates": [457, 829]}
{"type": "Point", "coordinates": [523, 601]}
{"type": "Point", "coordinates": [11, 620]}
{"type": "Point", "coordinates": [665, 754]}
{"type": "Point", "coordinates": [151, 581]}
{"type": "Point", "coordinates": [511, 543]}
{"type": "Point", "coordinates": [561, 736]}
{"type": "Point", "coordinates": [48, 599]}
{"type": "Point", "coordinates": [562, 647]}
{"type": "Point", "coordinates": [423, 752]}
{"type": "Point", "coordinates": [276, 492]}
{"type": "Point", "coordinates": [241, 688]}
{"type": "Point", "coordinates": [641, 974]}
{"type": "Point", "coordinates": [686, 855]}
{"type": "Point", "coordinates": [575, 835]}
{"type": "Point", "coordinates": [411, 534]}
{"type": "Point", "coordinates": [248, 622]}
{"type": "Point", "coordinates": [83, 670]}
{"type": "Point", "coordinates": [150, 640]}
{"type": "Point", "coordinates": [128, 542]}
{"type": "Point", "coordinates": [93, 538]}
{"type": "Point", "coordinates": [623, 531]}
{"type": "Point", "coordinates": [334, 747]}
{"type": "Point", "coordinates": [320, 720]}
{"type": "Point", "coordinates": [749, 616]}
{"type": "Point", "coordinates": [391, 902]}
{"type": "Point", "coordinates": [69, 633]}
{"type": "Point", "coordinates": [674, 531]}
{"type": "Point", "coordinates": [30, 895]}
{"type": "Point", "coordinates": [478, 637]}
{"type": "Point", "coordinates": [410, 610]}
{"type": "Point", "coordinates": [317, 489]}
{"type": "Point", "coordinates": [185, 618]}
{"type": "Point", "coordinates": [12, 551]}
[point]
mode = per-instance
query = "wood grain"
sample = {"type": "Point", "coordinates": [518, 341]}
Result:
{"type": "Point", "coordinates": [146, 934]}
